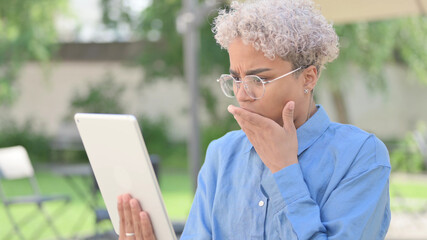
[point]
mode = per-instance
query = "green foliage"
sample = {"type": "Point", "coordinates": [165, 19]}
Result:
{"type": "Point", "coordinates": [366, 45]}
{"type": "Point", "coordinates": [173, 153]}
{"type": "Point", "coordinates": [27, 33]}
{"type": "Point", "coordinates": [35, 141]}
{"type": "Point", "coordinates": [156, 135]}
{"type": "Point", "coordinates": [369, 46]}
{"type": "Point", "coordinates": [115, 12]}
{"type": "Point", "coordinates": [407, 157]}
{"type": "Point", "coordinates": [101, 97]}
{"type": "Point", "coordinates": [211, 102]}
{"type": "Point", "coordinates": [163, 53]}
{"type": "Point", "coordinates": [212, 57]}
{"type": "Point", "coordinates": [218, 129]}
{"type": "Point", "coordinates": [411, 47]}
{"type": "Point", "coordinates": [164, 56]}
{"type": "Point", "coordinates": [163, 47]}
{"type": "Point", "coordinates": [105, 97]}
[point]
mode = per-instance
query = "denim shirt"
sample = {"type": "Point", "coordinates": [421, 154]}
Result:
{"type": "Point", "coordinates": [339, 189]}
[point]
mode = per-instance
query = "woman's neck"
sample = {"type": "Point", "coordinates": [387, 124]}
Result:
{"type": "Point", "coordinates": [311, 110]}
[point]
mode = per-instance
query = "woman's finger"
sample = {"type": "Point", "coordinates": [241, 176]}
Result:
{"type": "Point", "coordinates": [147, 228]}
{"type": "Point", "coordinates": [288, 116]}
{"type": "Point", "coordinates": [253, 118]}
{"type": "Point", "coordinates": [244, 125]}
{"type": "Point", "coordinates": [122, 234]}
{"type": "Point", "coordinates": [129, 230]}
{"type": "Point", "coordinates": [136, 210]}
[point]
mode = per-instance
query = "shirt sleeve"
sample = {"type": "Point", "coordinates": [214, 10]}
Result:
{"type": "Point", "coordinates": [198, 225]}
{"type": "Point", "coordinates": [358, 208]}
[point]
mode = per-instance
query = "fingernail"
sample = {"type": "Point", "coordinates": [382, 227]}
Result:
{"type": "Point", "coordinates": [230, 109]}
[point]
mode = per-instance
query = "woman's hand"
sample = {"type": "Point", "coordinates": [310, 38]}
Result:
{"type": "Point", "coordinates": [277, 146]}
{"type": "Point", "coordinates": [135, 224]}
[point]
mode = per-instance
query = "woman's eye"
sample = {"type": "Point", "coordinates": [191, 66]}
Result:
{"type": "Point", "coordinates": [264, 77]}
{"type": "Point", "coordinates": [260, 79]}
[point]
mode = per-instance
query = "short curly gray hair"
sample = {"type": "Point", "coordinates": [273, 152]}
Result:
{"type": "Point", "coordinates": [294, 30]}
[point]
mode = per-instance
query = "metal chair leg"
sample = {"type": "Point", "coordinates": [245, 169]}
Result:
{"type": "Point", "coordinates": [14, 223]}
{"type": "Point", "coordinates": [50, 222]}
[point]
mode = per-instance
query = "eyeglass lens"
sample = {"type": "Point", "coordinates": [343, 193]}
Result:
{"type": "Point", "coordinates": [227, 85]}
{"type": "Point", "coordinates": [253, 86]}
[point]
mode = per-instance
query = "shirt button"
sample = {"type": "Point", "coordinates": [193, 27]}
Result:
{"type": "Point", "coordinates": [261, 203]}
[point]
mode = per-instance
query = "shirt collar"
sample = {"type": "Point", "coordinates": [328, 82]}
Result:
{"type": "Point", "coordinates": [312, 129]}
{"type": "Point", "coordinates": [307, 133]}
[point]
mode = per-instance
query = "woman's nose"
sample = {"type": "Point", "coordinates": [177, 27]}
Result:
{"type": "Point", "coordinates": [241, 93]}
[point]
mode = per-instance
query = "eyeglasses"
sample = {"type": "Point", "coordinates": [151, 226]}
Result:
{"type": "Point", "coordinates": [254, 86]}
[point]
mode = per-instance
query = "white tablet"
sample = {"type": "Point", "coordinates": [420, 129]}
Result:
{"type": "Point", "coordinates": [121, 164]}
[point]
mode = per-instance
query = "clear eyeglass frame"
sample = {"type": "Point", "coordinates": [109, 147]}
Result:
{"type": "Point", "coordinates": [254, 91]}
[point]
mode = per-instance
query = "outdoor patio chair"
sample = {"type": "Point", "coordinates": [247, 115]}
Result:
{"type": "Point", "coordinates": [15, 164]}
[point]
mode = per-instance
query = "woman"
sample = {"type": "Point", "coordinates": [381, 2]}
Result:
{"type": "Point", "coordinates": [289, 173]}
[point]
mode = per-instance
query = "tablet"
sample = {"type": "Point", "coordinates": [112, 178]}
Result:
{"type": "Point", "coordinates": [121, 164]}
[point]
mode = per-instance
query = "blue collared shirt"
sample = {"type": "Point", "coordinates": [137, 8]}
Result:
{"type": "Point", "coordinates": [339, 189]}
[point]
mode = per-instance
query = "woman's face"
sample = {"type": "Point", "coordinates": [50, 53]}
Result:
{"type": "Point", "coordinates": [244, 59]}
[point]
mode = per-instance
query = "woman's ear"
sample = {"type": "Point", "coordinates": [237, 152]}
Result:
{"type": "Point", "coordinates": [310, 77]}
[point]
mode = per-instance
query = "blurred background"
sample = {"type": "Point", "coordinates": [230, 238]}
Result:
{"type": "Point", "coordinates": [159, 61]}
